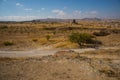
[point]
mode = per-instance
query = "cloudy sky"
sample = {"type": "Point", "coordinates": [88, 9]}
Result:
{"type": "Point", "coordinates": [19, 10]}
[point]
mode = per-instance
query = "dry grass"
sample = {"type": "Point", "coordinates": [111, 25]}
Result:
{"type": "Point", "coordinates": [98, 65]}
{"type": "Point", "coordinates": [24, 34]}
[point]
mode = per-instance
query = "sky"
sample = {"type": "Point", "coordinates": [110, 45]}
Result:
{"type": "Point", "coordinates": [19, 10]}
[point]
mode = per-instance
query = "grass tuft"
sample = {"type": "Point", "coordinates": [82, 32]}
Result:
{"type": "Point", "coordinates": [8, 43]}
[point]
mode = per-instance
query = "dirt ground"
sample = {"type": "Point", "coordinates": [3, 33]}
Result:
{"type": "Point", "coordinates": [64, 65]}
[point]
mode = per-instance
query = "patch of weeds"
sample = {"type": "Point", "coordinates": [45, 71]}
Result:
{"type": "Point", "coordinates": [7, 59]}
{"type": "Point", "coordinates": [82, 38]}
{"type": "Point", "coordinates": [3, 27]}
{"type": "Point", "coordinates": [101, 33]}
{"type": "Point", "coordinates": [109, 73]}
{"type": "Point", "coordinates": [34, 40]}
{"type": "Point", "coordinates": [8, 43]}
{"type": "Point", "coordinates": [48, 37]}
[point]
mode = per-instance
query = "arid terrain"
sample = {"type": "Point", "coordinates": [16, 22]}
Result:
{"type": "Point", "coordinates": [64, 65]}
{"type": "Point", "coordinates": [37, 50]}
{"type": "Point", "coordinates": [32, 35]}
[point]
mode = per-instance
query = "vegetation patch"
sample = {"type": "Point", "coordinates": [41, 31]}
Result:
{"type": "Point", "coordinates": [3, 27]}
{"type": "Point", "coordinates": [116, 31]}
{"type": "Point", "coordinates": [8, 43]}
{"type": "Point", "coordinates": [101, 33]}
{"type": "Point", "coordinates": [83, 38]}
{"type": "Point", "coordinates": [109, 73]}
{"type": "Point", "coordinates": [34, 40]}
{"type": "Point", "coordinates": [48, 37]}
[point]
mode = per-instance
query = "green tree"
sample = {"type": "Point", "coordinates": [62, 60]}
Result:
{"type": "Point", "coordinates": [74, 21]}
{"type": "Point", "coordinates": [80, 38]}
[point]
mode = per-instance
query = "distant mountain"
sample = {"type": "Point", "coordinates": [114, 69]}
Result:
{"type": "Point", "coordinates": [64, 20]}
{"type": "Point", "coordinates": [51, 20]}
{"type": "Point", "coordinates": [92, 19]}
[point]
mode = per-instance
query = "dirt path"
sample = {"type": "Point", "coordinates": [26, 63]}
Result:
{"type": "Point", "coordinates": [45, 51]}
{"type": "Point", "coordinates": [94, 66]}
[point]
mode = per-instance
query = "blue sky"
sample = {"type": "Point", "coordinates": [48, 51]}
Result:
{"type": "Point", "coordinates": [35, 9]}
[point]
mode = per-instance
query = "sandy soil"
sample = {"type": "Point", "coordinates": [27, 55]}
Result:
{"type": "Point", "coordinates": [48, 50]}
{"type": "Point", "coordinates": [63, 65]}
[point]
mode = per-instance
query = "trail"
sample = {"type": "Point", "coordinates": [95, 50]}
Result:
{"type": "Point", "coordinates": [44, 51]}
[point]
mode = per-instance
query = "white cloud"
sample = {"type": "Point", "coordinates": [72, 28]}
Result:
{"type": "Point", "coordinates": [77, 12]}
{"type": "Point", "coordinates": [27, 9]}
{"type": "Point", "coordinates": [19, 4]}
{"type": "Point", "coordinates": [91, 14]}
{"type": "Point", "coordinates": [18, 18]}
{"type": "Point", "coordinates": [94, 12]}
{"type": "Point", "coordinates": [59, 12]}
{"type": "Point", "coordinates": [42, 8]}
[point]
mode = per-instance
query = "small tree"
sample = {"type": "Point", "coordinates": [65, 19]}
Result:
{"type": "Point", "coordinates": [8, 43]}
{"type": "Point", "coordinates": [80, 38]}
{"type": "Point", "coordinates": [74, 21]}
{"type": "Point", "coordinates": [48, 37]}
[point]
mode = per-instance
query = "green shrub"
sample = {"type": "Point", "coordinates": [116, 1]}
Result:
{"type": "Point", "coordinates": [81, 38]}
{"type": "Point", "coordinates": [116, 31]}
{"type": "Point", "coordinates": [101, 33]}
{"type": "Point", "coordinates": [54, 32]}
{"type": "Point", "coordinates": [8, 43]}
{"type": "Point", "coordinates": [34, 40]}
{"type": "Point", "coordinates": [3, 27]}
{"type": "Point", "coordinates": [48, 37]}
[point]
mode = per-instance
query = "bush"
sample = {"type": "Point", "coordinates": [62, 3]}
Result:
{"type": "Point", "coordinates": [54, 32]}
{"type": "Point", "coordinates": [81, 38]}
{"type": "Point", "coordinates": [7, 43]}
{"type": "Point", "coordinates": [96, 42]}
{"type": "Point", "coordinates": [116, 31]}
{"type": "Point", "coordinates": [34, 40]}
{"type": "Point", "coordinates": [48, 37]}
{"type": "Point", "coordinates": [3, 27]}
{"type": "Point", "coordinates": [101, 33]}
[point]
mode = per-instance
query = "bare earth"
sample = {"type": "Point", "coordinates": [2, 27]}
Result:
{"type": "Point", "coordinates": [44, 51]}
{"type": "Point", "coordinates": [58, 58]}
{"type": "Point", "coordinates": [64, 65]}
